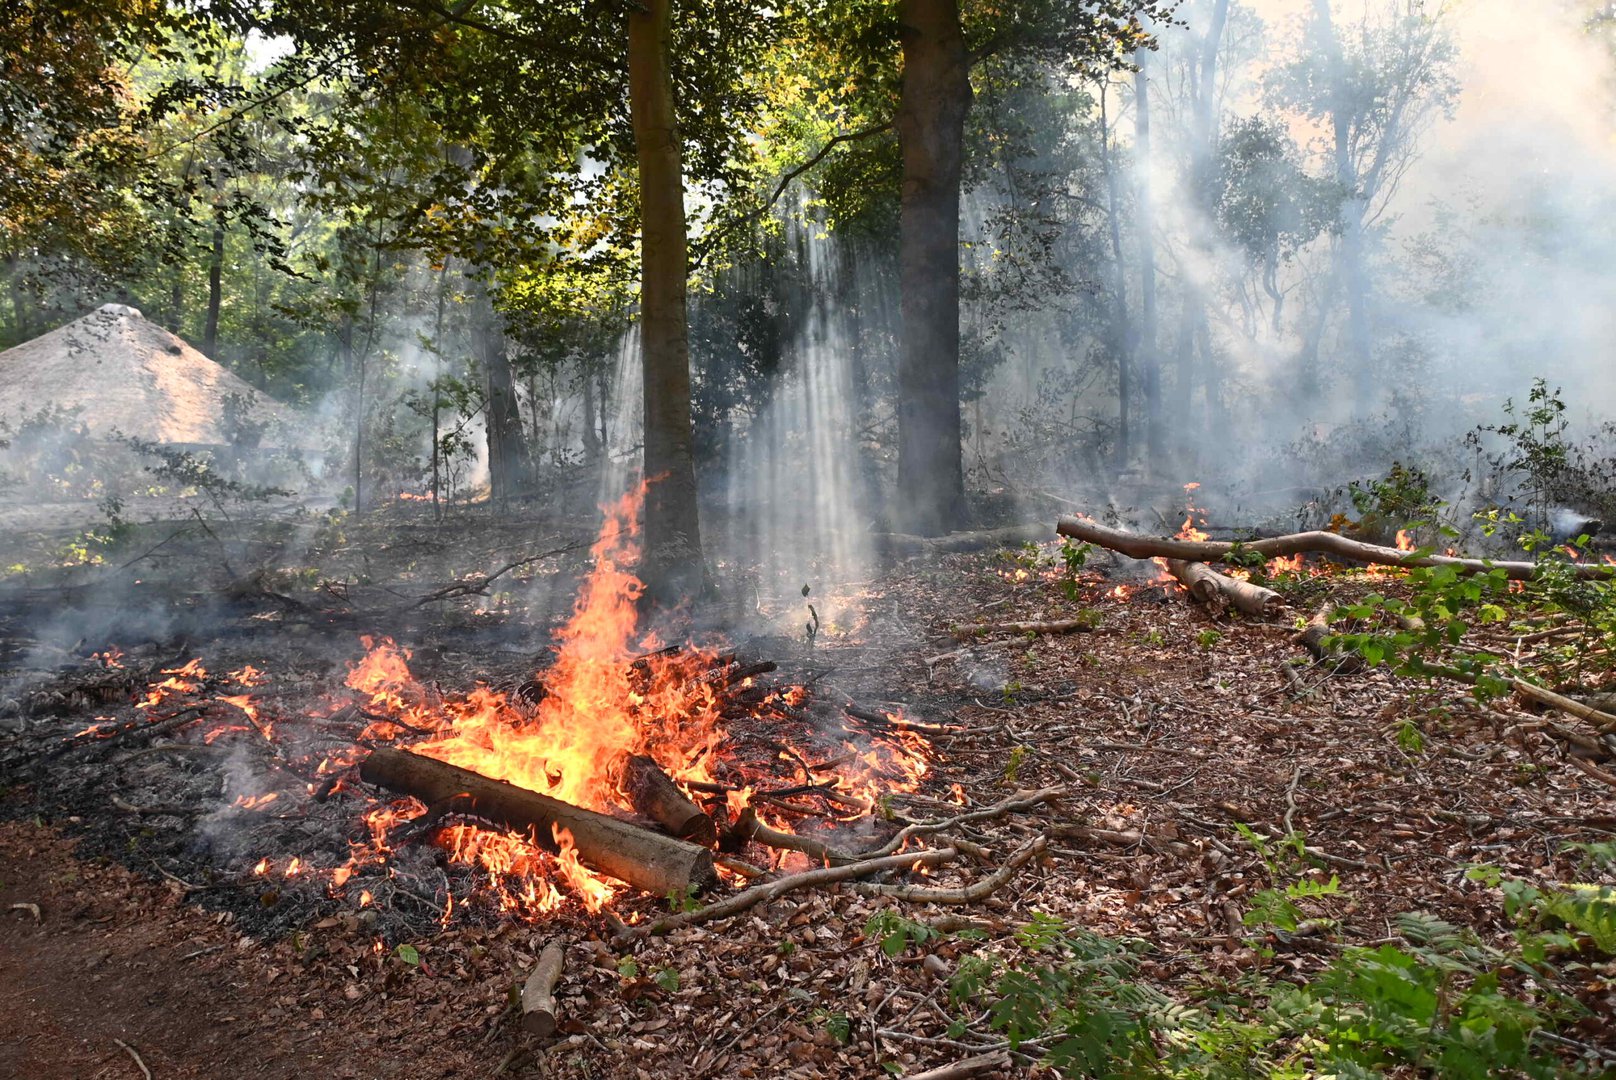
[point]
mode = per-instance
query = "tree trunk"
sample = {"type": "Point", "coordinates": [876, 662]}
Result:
{"type": "Point", "coordinates": [210, 329]}
{"type": "Point", "coordinates": [931, 131]}
{"type": "Point", "coordinates": [1148, 354]}
{"type": "Point", "coordinates": [1122, 332]}
{"type": "Point", "coordinates": [1354, 278]}
{"type": "Point", "coordinates": [672, 564]}
{"type": "Point", "coordinates": [507, 450]}
{"type": "Point", "coordinates": [1203, 153]}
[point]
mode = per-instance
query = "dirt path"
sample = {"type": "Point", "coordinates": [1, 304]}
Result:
{"type": "Point", "coordinates": [116, 958]}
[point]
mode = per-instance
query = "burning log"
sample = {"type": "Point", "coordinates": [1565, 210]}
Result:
{"type": "Point", "coordinates": [644, 859]}
{"type": "Point", "coordinates": [653, 793]}
{"type": "Point", "coordinates": [906, 544]}
{"type": "Point", "coordinates": [1211, 587]}
{"type": "Point", "coordinates": [1321, 543]}
{"type": "Point", "coordinates": [538, 993]}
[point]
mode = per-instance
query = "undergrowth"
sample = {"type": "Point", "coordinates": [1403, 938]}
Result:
{"type": "Point", "coordinates": [1433, 997]}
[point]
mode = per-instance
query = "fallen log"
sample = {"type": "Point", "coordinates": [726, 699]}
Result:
{"type": "Point", "coordinates": [538, 993]}
{"type": "Point", "coordinates": [1080, 625]}
{"type": "Point", "coordinates": [1321, 543]}
{"type": "Point", "coordinates": [653, 793]}
{"type": "Point", "coordinates": [1211, 587]}
{"type": "Point", "coordinates": [1315, 638]}
{"type": "Point", "coordinates": [644, 859]}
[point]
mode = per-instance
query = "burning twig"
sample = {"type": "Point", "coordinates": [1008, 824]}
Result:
{"type": "Point", "coordinates": [749, 827]}
{"type": "Point", "coordinates": [538, 993]}
{"type": "Point", "coordinates": [1322, 543]}
{"type": "Point", "coordinates": [758, 894]}
{"type": "Point", "coordinates": [647, 860]}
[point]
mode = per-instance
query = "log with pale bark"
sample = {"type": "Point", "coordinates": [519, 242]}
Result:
{"type": "Point", "coordinates": [1315, 638]}
{"type": "Point", "coordinates": [538, 993]}
{"type": "Point", "coordinates": [653, 793]}
{"type": "Point", "coordinates": [1081, 625]}
{"type": "Point", "coordinates": [644, 859]}
{"type": "Point", "coordinates": [967, 1068]}
{"type": "Point", "coordinates": [1213, 588]}
{"type": "Point", "coordinates": [1320, 543]}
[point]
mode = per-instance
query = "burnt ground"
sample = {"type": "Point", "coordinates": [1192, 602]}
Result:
{"type": "Point", "coordinates": [1163, 728]}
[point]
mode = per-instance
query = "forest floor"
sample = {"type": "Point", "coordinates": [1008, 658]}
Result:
{"type": "Point", "coordinates": [1163, 728]}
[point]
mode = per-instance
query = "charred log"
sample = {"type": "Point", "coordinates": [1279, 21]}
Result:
{"type": "Point", "coordinates": [647, 860]}
{"type": "Point", "coordinates": [653, 793]}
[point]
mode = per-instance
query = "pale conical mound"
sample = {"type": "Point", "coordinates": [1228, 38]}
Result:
{"type": "Point", "coordinates": [129, 375]}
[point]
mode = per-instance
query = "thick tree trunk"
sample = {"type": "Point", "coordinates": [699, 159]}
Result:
{"type": "Point", "coordinates": [672, 565]}
{"type": "Point", "coordinates": [1148, 354]}
{"type": "Point", "coordinates": [1350, 252]}
{"type": "Point", "coordinates": [1122, 336]}
{"type": "Point", "coordinates": [931, 130]}
{"type": "Point", "coordinates": [210, 329]}
{"type": "Point", "coordinates": [507, 449]}
{"type": "Point", "coordinates": [647, 860]}
{"type": "Point", "coordinates": [1203, 163]}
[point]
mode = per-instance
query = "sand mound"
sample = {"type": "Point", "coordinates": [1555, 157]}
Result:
{"type": "Point", "coordinates": [129, 375]}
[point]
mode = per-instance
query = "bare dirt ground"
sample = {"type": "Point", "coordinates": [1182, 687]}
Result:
{"type": "Point", "coordinates": [1162, 728]}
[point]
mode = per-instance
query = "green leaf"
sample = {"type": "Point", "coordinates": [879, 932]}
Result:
{"type": "Point", "coordinates": [409, 954]}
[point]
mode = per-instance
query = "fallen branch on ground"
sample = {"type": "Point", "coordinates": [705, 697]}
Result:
{"type": "Point", "coordinates": [758, 894]}
{"type": "Point", "coordinates": [964, 894]}
{"type": "Point", "coordinates": [1319, 543]}
{"type": "Point", "coordinates": [1020, 801]}
{"type": "Point", "coordinates": [1081, 625]}
{"type": "Point", "coordinates": [966, 1068]}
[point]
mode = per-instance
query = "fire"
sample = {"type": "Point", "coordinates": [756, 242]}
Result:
{"type": "Point", "coordinates": [183, 680]}
{"type": "Point", "coordinates": [1404, 541]}
{"type": "Point", "coordinates": [612, 691]}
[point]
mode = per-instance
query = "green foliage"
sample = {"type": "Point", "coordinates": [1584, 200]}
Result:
{"type": "Point", "coordinates": [1012, 765]}
{"type": "Point", "coordinates": [1072, 557]}
{"type": "Point", "coordinates": [409, 954]}
{"type": "Point", "coordinates": [667, 978]}
{"type": "Point", "coordinates": [1208, 638]}
{"type": "Point", "coordinates": [897, 933]}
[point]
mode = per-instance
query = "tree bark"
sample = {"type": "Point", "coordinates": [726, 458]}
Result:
{"type": "Point", "coordinates": [1149, 356]}
{"type": "Point", "coordinates": [936, 96]}
{"type": "Point", "coordinates": [1210, 587]}
{"type": "Point", "coordinates": [647, 860]}
{"type": "Point", "coordinates": [507, 449]}
{"type": "Point", "coordinates": [672, 564]}
{"type": "Point", "coordinates": [1354, 277]}
{"type": "Point", "coordinates": [1122, 333]}
{"type": "Point", "coordinates": [210, 330]}
{"type": "Point", "coordinates": [538, 993]}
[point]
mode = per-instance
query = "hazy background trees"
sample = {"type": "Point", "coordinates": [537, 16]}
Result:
{"type": "Point", "coordinates": [1062, 248]}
